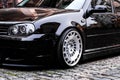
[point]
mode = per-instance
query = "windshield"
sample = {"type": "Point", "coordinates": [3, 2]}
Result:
{"type": "Point", "coordinates": [45, 3]}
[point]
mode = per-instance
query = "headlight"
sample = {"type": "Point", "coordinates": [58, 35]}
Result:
{"type": "Point", "coordinates": [21, 29]}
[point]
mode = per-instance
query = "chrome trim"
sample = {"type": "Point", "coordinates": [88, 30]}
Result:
{"type": "Point", "coordinates": [102, 48]}
{"type": "Point", "coordinates": [103, 34]}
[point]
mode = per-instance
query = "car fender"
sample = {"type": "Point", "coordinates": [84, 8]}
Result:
{"type": "Point", "coordinates": [64, 19]}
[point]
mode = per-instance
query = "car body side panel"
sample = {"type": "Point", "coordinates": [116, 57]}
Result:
{"type": "Point", "coordinates": [101, 31]}
{"type": "Point", "coordinates": [65, 21]}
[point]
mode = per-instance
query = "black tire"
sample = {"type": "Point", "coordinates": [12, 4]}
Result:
{"type": "Point", "coordinates": [70, 48]}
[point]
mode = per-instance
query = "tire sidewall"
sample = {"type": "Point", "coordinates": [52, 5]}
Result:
{"type": "Point", "coordinates": [60, 49]}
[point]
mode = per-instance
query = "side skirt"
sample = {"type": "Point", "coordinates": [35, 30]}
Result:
{"type": "Point", "coordinates": [99, 52]}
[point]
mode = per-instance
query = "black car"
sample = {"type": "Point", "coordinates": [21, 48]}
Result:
{"type": "Point", "coordinates": [68, 30]}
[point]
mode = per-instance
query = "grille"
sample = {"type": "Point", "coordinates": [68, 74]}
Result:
{"type": "Point", "coordinates": [3, 30]}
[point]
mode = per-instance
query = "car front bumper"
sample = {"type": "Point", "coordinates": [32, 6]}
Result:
{"type": "Point", "coordinates": [33, 45]}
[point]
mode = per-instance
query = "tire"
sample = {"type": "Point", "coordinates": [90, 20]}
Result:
{"type": "Point", "coordinates": [70, 48]}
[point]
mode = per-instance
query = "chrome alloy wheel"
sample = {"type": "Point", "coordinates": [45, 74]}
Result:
{"type": "Point", "coordinates": [72, 48]}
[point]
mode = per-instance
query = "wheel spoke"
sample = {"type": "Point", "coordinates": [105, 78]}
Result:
{"type": "Point", "coordinates": [72, 48]}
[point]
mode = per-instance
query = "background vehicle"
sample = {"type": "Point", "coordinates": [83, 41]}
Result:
{"type": "Point", "coordinates": [69, 29]}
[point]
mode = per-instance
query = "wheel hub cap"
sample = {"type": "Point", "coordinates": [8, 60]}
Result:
{"type": "Point", "coordinates": [72, 48]}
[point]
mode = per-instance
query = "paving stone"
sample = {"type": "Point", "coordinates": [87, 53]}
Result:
{"type": "Point", "coordinates": [104, 69]}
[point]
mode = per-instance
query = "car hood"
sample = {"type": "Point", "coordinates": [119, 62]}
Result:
{"type": "Point", "coordinates": [28, 14]}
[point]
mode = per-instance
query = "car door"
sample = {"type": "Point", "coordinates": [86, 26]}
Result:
{"type": "Point", "coordinates": [101, 27]}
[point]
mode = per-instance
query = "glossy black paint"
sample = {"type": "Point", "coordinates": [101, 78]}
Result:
{"type": "Point", "coordinates": [100, 31]}
{"type": "Point", "coordinates": [104, 31]}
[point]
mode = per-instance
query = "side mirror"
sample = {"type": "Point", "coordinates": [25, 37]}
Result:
{"type": "Point", "coordinates": [96, 9]}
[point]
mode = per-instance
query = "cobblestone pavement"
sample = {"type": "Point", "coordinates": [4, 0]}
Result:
{"type": "Point", "coordinates": [104, 69]}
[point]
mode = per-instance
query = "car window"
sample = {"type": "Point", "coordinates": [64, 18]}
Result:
{"type": "Point", "coordinates": [117, 5]}
{"type": "Point", "coordinates": [106, 3]}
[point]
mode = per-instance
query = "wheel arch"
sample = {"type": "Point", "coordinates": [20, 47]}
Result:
{"type": "Point", "coordinates": [79, 28]}
{"type": "Point", "coordinates": [58, 48]}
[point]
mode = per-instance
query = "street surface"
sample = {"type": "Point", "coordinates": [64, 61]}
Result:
{"type": "Point", "coordinates": [103, 69]}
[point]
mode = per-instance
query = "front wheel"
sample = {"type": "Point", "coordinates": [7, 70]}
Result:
{"type": "Point", "coordinates": [70, 48]}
